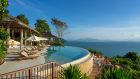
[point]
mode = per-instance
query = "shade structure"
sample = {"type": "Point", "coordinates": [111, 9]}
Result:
{"type": "Point", "coordinates": [43, 39]}
{"type": "Point", "coordinates": [35, 38]}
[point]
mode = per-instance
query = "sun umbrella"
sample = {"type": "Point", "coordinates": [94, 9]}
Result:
{"type": "Point", "coordinates": [33, 38]}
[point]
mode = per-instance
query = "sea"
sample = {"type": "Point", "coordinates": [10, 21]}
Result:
{"type": "Point", "coordinates": [109, 49]}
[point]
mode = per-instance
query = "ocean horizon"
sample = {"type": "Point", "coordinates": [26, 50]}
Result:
{"type": "Point", "coordinates": [109, 49]}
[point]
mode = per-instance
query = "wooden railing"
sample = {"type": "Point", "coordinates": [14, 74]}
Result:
{"type": "Point", "coordinates": [44, 71]}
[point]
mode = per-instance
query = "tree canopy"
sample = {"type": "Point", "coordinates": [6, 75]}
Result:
{"type": "Point", "coordinates": [131, 55]}
{"type": "Point", "coordinates": [23, 18]}
{"type": "Point", "coordinates": [42, 26]}
{"type": "Point", "coordinates": [3, 10]}
{"type": "Point", "coordinates": [60, 27]}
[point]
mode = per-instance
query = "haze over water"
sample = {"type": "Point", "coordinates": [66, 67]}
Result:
{"type": "Point", "coordinates": [109, 48]}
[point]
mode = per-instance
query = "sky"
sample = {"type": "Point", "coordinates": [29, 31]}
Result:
{"type": "Point", "coordinates": [116, 20]}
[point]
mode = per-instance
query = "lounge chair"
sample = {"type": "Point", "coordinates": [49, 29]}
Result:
{"type": "Point", "coordinates": [34, 47]}
{"type": "Point", "coordinates": [28, 48]}
{"type": "Point", "coordinates": [31, 52]}
{"type": "Point", "coordinates": [40, 48]}
{"type": "Point", "coordinates": [24, 55]}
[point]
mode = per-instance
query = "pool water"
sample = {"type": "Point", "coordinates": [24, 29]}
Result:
{"type": "Point", "coordinates": [65, 54]}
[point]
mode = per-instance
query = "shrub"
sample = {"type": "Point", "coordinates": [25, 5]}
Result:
{"type": "Point", "coordinates": [92, 51]}
{"type": "Point", "coordinates": [115, 73]}
{"type": "Point", "coordinates": [73, 72]}
{"type": "Point", "coordinates": [135, 74]}
{"type": "Point", "coordinates": [2, 49]}
{"type": "Point", "coordinates": [57, 43]}
{"type": "Point", "coordinates": [131, 55]}
{"type": "Point", "coordinates": [3, 34]}
{"type": "Point", "coordinates": [3, 37]}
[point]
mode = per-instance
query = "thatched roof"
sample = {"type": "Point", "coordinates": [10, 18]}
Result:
{"type": "Point", "coordinates": [13, 22]}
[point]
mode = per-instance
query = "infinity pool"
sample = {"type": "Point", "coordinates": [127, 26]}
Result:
{"type": "Point", "coordinates": [65, 54]}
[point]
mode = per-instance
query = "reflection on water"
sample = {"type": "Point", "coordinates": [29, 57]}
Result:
{"type": "Point", "coordinates": [63, 55]}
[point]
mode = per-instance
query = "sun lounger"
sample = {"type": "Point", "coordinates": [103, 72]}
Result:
{"type": "Point", "coordinates": [34, 47]}
{"type": "Point", "coordinates": [28, 48]}
{"type": "Point", "coordinates": [31, 52]}
{"type": "Point", "coordinates": [24, 55]}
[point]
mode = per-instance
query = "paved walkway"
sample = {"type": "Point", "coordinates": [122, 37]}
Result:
{"type": "Point", "coordinates": [11, 65]}
{"type": "Point", "coordinates": [95, 71]}
{"type": "Point", "coordinates": [96, 67]}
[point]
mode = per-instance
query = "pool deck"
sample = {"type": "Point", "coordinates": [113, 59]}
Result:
{"type": "Point", "coordinates": [12, 65]}
{"type": "Point", "coordinates": [85, 63]}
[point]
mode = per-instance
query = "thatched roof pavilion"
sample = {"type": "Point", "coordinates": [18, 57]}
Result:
{"type": "Point", "coordinates": [13, 22]}
{"type": "Point", "coordinates": [17, 29]}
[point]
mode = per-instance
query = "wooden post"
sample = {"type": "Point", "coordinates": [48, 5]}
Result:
{"type": "Point", "coordinates": [13, 37]}
{"type": "Point", "coordinates": [8, 31]}
{"type": "Point", "coordinates": [21, 38]}
{"type": "Point", "coordinates": [25, 38]}
{"type": "Point", "coordinates": [30, 74]}
{"type": "Point", "coordinates": [52, 70]}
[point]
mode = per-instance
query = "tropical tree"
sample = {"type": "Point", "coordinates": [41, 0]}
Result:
{"type": "Point", "coordinates": [3, 10]}
{"type": "Point", "coordinates": [60, 27]}
{"type": "Point", "coordinates": [23, 18]}
{"type": "Point", "coordinates": [73, 72]}
{"type": "Point", "coordinates": [42, 26]}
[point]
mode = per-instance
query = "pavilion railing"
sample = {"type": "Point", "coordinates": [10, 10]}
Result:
{"type": "Point", "coordinates": [44, 71]}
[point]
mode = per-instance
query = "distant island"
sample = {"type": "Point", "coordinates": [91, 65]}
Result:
{"type": "Point", "coordinates": [99, 40]}
{"type": "Point", "coordinates": [89, 40]}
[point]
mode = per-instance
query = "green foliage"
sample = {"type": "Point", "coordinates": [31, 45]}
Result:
{"type": "Point", "coordinates": [23, 18]}
{"type": "Point", "coordinates": [3, 36]}
{"type": "Point", "coordinates": [42, 26]}
{"type": "Point", "coordinates": [130, 62]}
{"type": "Point", "coordinates": [60, 27]}
{"type": "Point", "coordinates": [115, 73]}
{"type": "Point", "coordinates": [135, 74]}
{"type": "Point", "coordinates": [3, 10]}
{"type": "Point", "coordinates": [131, 55]}
{"type": "Point", "coordinates": [57, 43]}
{"type": "Point", "coordinates": [2, 49]}
{"type": "Point", "coordinates": [73, 72]}
{"type": "Point", "coordinates": [124, 61]}
{"type": "Point", "coordinates": [92, 51]}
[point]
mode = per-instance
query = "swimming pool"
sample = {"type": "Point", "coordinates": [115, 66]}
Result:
{"type": "Point", "coordinates": [65, 54]}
